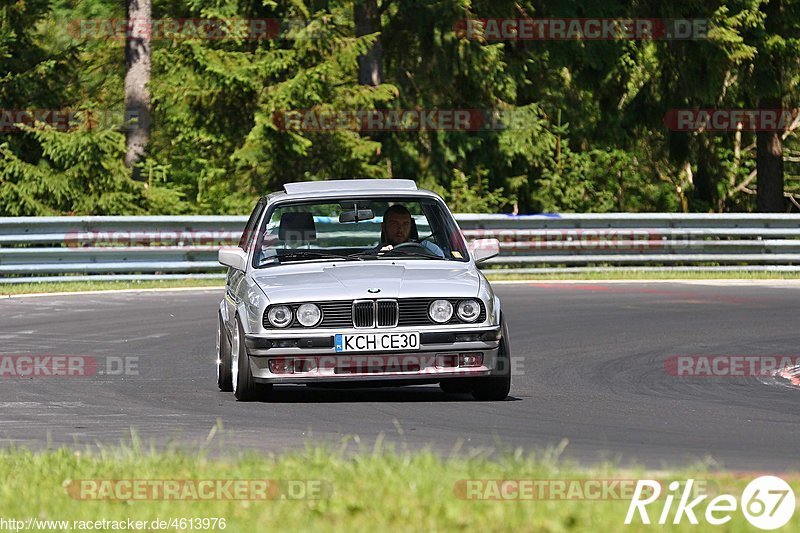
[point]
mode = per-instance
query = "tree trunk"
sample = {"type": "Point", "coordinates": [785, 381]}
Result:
{"type": "Point", "coordinates": [368, 20]}
{"type": "Point", "coordinates": [769, 166]}
{"type": "Point", "coordinates": [769, 144]}
{"type": "Point", "coordinates": [137, 78]}
{"type": "Point", "coordinates": [705, 179]}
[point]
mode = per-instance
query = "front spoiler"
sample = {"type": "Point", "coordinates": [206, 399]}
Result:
{"type": "Point", "coordinates": [411, 377]}
{"type": "Point", "coordinates": [427, 366]}
{"type": "Point", "coordinates": [435, 346]}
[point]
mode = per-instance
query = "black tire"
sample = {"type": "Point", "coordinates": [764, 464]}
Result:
{"type": "Point", "coordinates": [496, 388]}
{"type": "Point", "coordinates": [224, 374]}
{"type": "Point", "coordinates": [455, 386]}
{"type": "Point", "coordinates": [244, 386]}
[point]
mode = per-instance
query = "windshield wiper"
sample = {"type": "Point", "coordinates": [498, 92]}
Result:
{"type": "Point", "coordinates": [395, 252]}
{"type": "Point", "coordinates": [308, 254]}
{"type": "Point", "coordinates": [364, 255]}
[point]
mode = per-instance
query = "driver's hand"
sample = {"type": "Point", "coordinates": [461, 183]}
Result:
{"type": "Point", "coordinates": [387, 248]}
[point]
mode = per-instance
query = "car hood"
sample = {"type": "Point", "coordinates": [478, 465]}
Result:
{"type": "Point", "coordinates": [351, 280]}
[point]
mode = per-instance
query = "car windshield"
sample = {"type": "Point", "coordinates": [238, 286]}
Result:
{"type": "Point", "coordinates": [361, 229]}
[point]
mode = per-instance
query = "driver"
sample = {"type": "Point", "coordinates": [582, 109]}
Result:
{"type": "Point", "coordinates": [396, 229]}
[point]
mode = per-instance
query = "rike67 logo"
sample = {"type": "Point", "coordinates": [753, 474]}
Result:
{"type": "Point", "coordinates": [767, 502]}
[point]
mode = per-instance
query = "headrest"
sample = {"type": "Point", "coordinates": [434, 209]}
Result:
{"type": "Point", "coordinates": [297, 227]}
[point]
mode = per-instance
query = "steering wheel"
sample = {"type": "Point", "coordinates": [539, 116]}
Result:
{"type": "Point", "coordinates": [411, 244]}
{"type": "Point", "coordinates": [407, 245]}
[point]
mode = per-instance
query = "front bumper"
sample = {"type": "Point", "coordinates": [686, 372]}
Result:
{"type": "Point", "coordinates": [313, 358]}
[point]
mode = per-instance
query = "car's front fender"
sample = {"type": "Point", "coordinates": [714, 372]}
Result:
{"type": "Point", "coordinates": [250, 307]}
{"type": "Point", "coordinates": [486, 293]}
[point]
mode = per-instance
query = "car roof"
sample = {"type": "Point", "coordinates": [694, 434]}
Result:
{"type": "Point", "coordinates": [368, 185]}
{"type": "Point", "coordinates": [355, 187]}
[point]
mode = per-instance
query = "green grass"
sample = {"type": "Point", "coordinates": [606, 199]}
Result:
{"type": "Point", "coordinates": [369, 491]}
{"type": "Point", "coordinates": [643, 276]}
{"type": "Point", "coordinates": [76, 286]}
{"type": "Point", "coordinates": [7, 289]}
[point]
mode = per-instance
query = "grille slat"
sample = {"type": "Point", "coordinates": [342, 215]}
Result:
{"type": "Point", "coordinates": [414, 312]}
{"type": "Point", "coordinates": [336, 314]}
{"type": "Point", "coordinates": [364, 314]}
{"type": "Point", "coordinates": [387, 313]}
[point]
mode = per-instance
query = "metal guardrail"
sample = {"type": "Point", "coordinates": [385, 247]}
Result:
{"type": "Point", "coordinates": [163, 247]}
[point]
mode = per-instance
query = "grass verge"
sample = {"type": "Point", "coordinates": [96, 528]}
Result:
{"type": "Point", "coordinates": [8, 289]}
{"type": "Point", "coordinates": [643, 275]}
{"type": "Point", "coordinates": [379, 490]}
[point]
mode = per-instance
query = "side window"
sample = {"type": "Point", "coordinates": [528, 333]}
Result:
{"type": "Point", "coordinates": [250, 229]}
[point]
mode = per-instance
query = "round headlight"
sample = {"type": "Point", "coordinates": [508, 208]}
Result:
{"type": "Point", "coordinates": [280, 316]}
{"type": "Point", "coordinates": [309, 315]}
{"type": "Point", "coordinates": [468, 310]}
{"type": "Point", "coordinates": [441, 311]}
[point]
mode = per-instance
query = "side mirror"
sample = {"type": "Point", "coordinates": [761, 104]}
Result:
{"type": "Point", "coordinates": [234, 257]}
{"type": "Point", "coordinates": [483, 249]}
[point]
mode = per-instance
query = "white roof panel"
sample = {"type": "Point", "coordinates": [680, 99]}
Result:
{"type": "Point", "coordinates": [307, 187]}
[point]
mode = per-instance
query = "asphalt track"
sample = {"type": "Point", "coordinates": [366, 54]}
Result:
{"type": "Point", "coordinates": [590, 379]}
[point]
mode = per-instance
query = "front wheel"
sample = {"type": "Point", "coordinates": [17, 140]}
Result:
{"type": "Point", "coordinates": [244, 386]}
{"type": "Point", "coordinates": [496, 388]}
{"type": "Point", "coordinates": [224, 380]}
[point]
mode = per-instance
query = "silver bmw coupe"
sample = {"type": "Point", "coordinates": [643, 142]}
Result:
{"type": "Point", "coordinates": [359, 283]}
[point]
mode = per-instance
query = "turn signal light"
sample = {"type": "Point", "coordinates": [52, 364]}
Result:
{"type": "Point", "coordinates": [281, 366]}
{"type": "Point", "coordinates": [470, 359]}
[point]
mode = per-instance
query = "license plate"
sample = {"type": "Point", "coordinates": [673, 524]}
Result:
{"type": "Point", "coordinates": [376, 342]}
